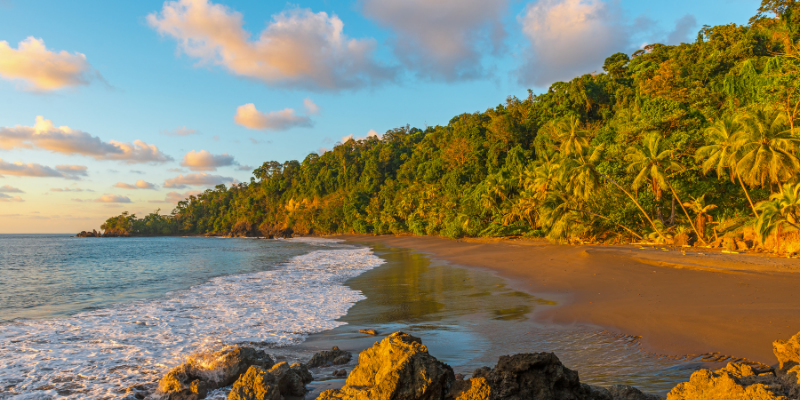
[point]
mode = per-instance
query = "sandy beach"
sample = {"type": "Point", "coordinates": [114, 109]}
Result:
{"type": "Point", "coordinates": [680, 301]}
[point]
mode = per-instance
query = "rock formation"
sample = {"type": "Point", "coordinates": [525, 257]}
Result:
{"type": "Point", "coordinates": [203, 372]}
{"type": "Point", "coordinates": [396, 368]}
{"type": "Point", "coordinates": [281, 382]}
{"type": "Point", "coordinates": [328, 358]}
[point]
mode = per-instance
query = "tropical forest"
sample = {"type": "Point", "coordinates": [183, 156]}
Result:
{"type": "Point", "coordinates": [682, 144]}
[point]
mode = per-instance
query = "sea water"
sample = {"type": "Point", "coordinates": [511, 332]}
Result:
{"type": "Point", "coordinates": [90, 317]}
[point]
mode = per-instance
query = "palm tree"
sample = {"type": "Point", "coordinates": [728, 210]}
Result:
{"type": "Point", "coordinates": [569, 135]}
{"type": "Point", "coordinates": [723, 153]}
{"type": "Point", "coordinates": [766, 146]}
{"type": "Point", "coordinates": [579, 173]}
{"type": "Point", "coordinates": [701, 209]}
{"type": "Point", "coordinates": [781, 208]}
{"type": "Point", "coordinates": [652, 163]}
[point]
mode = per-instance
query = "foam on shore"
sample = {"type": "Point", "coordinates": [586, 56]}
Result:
{"type": "Point", "coordinates": [101, 353]}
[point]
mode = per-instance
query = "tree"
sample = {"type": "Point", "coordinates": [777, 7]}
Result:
{"type": "Point", "coordinates": [652, 163]}
{"type": "Point", "coordinates": [782, 208]}
{"type": "Point", "coordinates": [700, 208]}
{"type": "Point", "coordinates": [722, 154]}
{"type": "Point", "coordinates": [766, 146]}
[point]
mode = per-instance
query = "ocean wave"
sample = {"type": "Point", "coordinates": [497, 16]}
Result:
{"type": "Point", "coordinates": [100, 353]}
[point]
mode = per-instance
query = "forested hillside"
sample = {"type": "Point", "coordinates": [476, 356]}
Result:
{"type": "Point", "coordinates": [696, 139]}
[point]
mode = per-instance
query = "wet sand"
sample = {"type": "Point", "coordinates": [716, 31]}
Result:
{"type": "Point", "coordinates": [679, 304]}
{"type": "Point", "coordinates": [468, 317]}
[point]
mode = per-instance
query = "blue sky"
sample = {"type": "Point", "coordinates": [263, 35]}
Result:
{"type": "Point", "coordinates": [400, 62]}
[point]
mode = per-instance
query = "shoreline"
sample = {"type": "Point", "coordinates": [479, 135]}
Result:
{"type": "Point", "coordinates": [678, 302]}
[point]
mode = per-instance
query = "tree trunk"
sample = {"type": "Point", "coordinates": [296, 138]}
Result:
{"type": "Point", "coordinates": [699, 236]}
{"type": "Point", "coordinates": [747, 194]}
{"type": "Point", "coordinates": [672, 214]}
{"type": "Point", "coordinates": [653, 224]}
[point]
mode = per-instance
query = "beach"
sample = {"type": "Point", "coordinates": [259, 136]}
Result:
{"type": "Point", "coordinates": [678, 301]}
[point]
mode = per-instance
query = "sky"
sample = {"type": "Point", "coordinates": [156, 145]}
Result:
{"type": "Point", "coordinates": [131, 106]}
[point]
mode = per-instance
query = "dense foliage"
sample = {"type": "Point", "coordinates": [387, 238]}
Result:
{"type": "Point", "coordinates": [693, 138]}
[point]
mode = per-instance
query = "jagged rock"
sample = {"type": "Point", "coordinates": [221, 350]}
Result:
{"type": "Point", "coordinates": [737, 382]}
{"type": "Point", "coordinates": [340, 373]}
{"type": "Point", "coordinates": [532, 376]}
{"type": "Point", "coordinates": [625, 392]}
{"type": "Point", "coordinates": [372, 332]}
{"type": "Point", "coordinates": [290, 383]}
{"type": "Point", "coordinates": [471, 389]}
{"type": "Point", "coordinates": [256, 384]}
{"type": "Point", "coordinates": [203, 372]}
{"type": "Point", "coordinates": [328, 358]}
{"type": "Point", "coordinates": [303, 372]}
{"type": "Point", "coordinates": [787, 352]}
{"type": "Point", "coordinates": [396, 368]}
{"type": "Point", "coordinates": [597, 393]}
{"type": "Point", "coordinates": [93, 233]}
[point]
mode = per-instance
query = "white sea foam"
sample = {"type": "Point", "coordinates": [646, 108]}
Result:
{"type": "Point", "coordinates": [99, 354]}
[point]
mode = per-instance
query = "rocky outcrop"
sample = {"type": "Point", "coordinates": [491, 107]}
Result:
{"type": "Point", "coordinates": [328, 358]}
{"type": "Point", "coordinates": [256, 384]}
{"type": "Point", "coordinates": [93, 233]}
{"type": "Point", "coordinates": [736, 382]}
{"type": "Point", "coordinates": [396, 368]}
{"type": "Point", "coordinates": [203, 372]}
{"type": "Point", "coordinates": [787, 352]}
{"type": "Point", "coordinates": [625, 392]}
{"type": "Point", "coordinates": [371, 332]}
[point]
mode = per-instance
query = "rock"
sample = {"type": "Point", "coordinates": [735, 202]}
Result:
{"type": "Point", "coordinates": [340, 373]}
{"type": "Point", "coordinates": [93, 233]}
{"type": "Point", "coordinates": [471, 389]}
{"type": "Point", "coordinates": [625, 392]}
{"type": "Point", "coordinates": [533, 376]}
{"type": "Point", "coordinates": [372, 332]}
{"type": "Point", "coordinates": [459, 377]}
{"type": "Point", "coordinates": [303, 372]}
{"type": "Point", "coordinates": [290, 383]}
{"type": "Point", "coordinates": [743, 245]}
{"type": "Point", "coordinates": [787, 352]}
{"type": "Point", "coordinates": [208, 371]}
{"type": "Point", "coordinates": [685, 239]}
{"type": "Point", "coordinates": [736, 382]}
{"type": "Point", "coordinates": [328, 358]}
{"type": "Point", "coordinates": [729, 243]}
{"type": "Point", "coordinates": [256, 384]}
{"type": "Point", "coordinates": [597, 393]}
{"type": "Point", "coordinates": [396, 368]}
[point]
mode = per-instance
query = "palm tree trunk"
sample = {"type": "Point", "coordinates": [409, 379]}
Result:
{"type": "Point", "coordinates": [609, 219]}
{"type": "Point", "coordinates": [747, 194]}
{"type": "Point", "coordinates": [653, 224]}
{"type": "Point", "coordinates": [699, 236]}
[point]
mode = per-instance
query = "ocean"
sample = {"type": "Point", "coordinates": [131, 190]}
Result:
{"type": "Point", "coordinates": [93, 316]}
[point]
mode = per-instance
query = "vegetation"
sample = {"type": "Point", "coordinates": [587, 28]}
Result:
{"type": "Point", "coordinates": [663, 142]}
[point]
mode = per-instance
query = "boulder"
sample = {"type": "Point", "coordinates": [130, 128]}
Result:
{"type": "Point", "coordinates": [207, 371]}
{"type": "Point", "coordinates": [787, 352]}
{"type": "Point", "coordinates": [534, 376]}
{"type": "Point", "coordinates": [290, 383]}
{"type": "Point", "coordinates": [372, 332]}
{"type": "Point", "coordinates": [396, 368]}
{"type": "Point", "coordinates": [256, 384]}
{"type": "Point", "coordinates": [302, 372]}
{"type": "Point", "coordinates": [625, 392]}
{"type": "Point", "coordinates": [736, 382]}
{"type": "Point", "coordinates": [328, 358]}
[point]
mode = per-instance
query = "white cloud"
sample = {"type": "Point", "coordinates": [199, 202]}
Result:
{"type": "Point", "coordinates": [201, 179]}
{"type": "Point", "coordinates": [245, 168]}
{"type": "Point", "coordinates": [41, 69]}
{"type": "Point", "coordinates": [6, 198]}
{"type": "Point", "coordinates": [175, 197]}
{"type": "Point", "coordinates": [370, 134]}
{"type": "Point", "coordinates": [10, 189]}
{"type": "Point", "coordinates": [249, 117]}
{"type": "Point", "coordinates": [140, 184]}
{"type": "Point", "coordinates": [66, 189]}
{"type": "Point", "coordinates": [19, 168]}
{"type": "Point", "coordinates": [311, 107]}
{"type": "Point", "coordinates": [685, 28]}
{"type": "Point", "coordinates": [179, 131]}
{"type": "Point", "coordinates": [570, 38]}
{"type": "Point", "coordinates": [443, 39]}
{"type": "Point", "coordinates": [322, 150]}
{"type": "Point", "coordinates": [204, 161]}
{"type": "Point", "coordinates": [65, 140]}
{"type": "Point", "coordinates": [112, 198]}
{"type": "Point", "coordinates": [298, 48]}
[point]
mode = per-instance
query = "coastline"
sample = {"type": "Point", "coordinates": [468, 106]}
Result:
{"type": "Point", "coordinates": [678, 301]}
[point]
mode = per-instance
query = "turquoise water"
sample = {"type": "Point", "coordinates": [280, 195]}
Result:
{"type": "Point", "coordinates": [46, 276]}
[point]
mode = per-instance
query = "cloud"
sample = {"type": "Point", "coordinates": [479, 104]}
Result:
{"type": "Point", "coordinates": [66, 189]}
{"type": "Point", "coordinates": [298, 48]}
{"type": "Point", "coordinates": [19, 168]}
{"type": "Point", "coordinates": [140, 184]}
{"type": "Point", "coordinates": [179, 131]}
{"type": "Point", "coordinates": [175, 197]}
{"type": "Point", "coordinates": [570, 38]}
{"type": "Point", "coordinates": [9, 189]}
{"type": "Point", "coordinates": [6, 198]}
{"type": "Point", "coordinates": [443, 39]}
{"type": "Point", "coordinates": [46, 136]}
{"type": "Point", "coordinates": [250, 118]}
{"type": "Point", "coordinates": [201, 179]}
{"type": "Point", "coordinates": [370, 134]}
{"type": "Point", "coordinates": [215, 137]}
{"type": "Point", "coordinates": [245, 168]}
{"type": "Point", "coordinates": [311, 107]}
{"type": "Point", "coordinates": [205, 161]}
{"type": "Point", "coordinates": [322, 150]}
{"type": "Point", "coordinates": [43, 70]}
{"type": "Point", "coordinates": [112, 198]}
{"type": "Point", "coordinates": [684, 29]}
